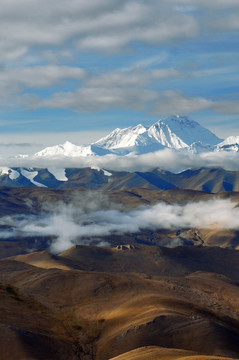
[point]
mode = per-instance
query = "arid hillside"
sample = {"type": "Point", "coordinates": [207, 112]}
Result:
{"type": "Point", "coordinates": [96, 303]}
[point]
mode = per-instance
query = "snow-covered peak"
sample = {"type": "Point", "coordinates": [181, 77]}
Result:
{"type": "Point", "coordinates": [120, 138]}
{"type": "Point", "coordinates": [231, 143]}
{"type": "Point", "coordinates": [175, 132]}
{"type": "Point", "coordinates": [163, 134]}
{"type": "Point", "coordinates": [188, 131]}
{"type": "Point", "coordinates": [231, 140]}
{"type": "Point", "coordinates": [66, 149]}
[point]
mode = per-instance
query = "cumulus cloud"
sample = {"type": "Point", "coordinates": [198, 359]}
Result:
{"type": "Point", "coordinates": [69, 224]}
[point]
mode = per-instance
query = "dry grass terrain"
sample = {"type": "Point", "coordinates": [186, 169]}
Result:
{"type": "Point", "coordinates": [71, 307]}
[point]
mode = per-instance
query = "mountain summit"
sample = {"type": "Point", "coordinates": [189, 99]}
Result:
{"type": "Point", "coordinates": [174, 132]}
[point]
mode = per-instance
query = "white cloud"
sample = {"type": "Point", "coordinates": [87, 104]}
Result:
{"type": "Point", "coordinates": [71, 225]}
{"type": "Point", "coordinates": [166, 159]}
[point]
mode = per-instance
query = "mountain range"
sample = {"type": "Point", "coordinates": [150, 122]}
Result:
{"type": "Point", "coordinates": [174, 132]}
{"type": "Point", "coordinates": [211, 180]}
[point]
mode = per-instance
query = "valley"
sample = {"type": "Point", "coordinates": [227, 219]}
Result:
{"type": "Point", "coordinates": [155, 293]}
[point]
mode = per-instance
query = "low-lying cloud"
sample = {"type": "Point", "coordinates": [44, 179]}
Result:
{"type": "Point", "coordinates": [96, 218]}
{"type": "Point", "coordinates": [166, 159]}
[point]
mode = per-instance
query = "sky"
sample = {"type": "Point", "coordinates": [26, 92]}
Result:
{"type": "Point", "coordinates": [75, 70]}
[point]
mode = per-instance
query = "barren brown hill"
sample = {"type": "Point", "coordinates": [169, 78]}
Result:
{"type": "Point", "coordinates": [108, 302]}
{"type": "Point", "coordinates": [149, 260]}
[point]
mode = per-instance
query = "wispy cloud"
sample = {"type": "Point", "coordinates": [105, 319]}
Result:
{"type": "Point", "coordinates": [100, 55]}
{"type": "Point", "coordinates": [129, 92]}
{"type": "Point", "coordinates": [102, 25]}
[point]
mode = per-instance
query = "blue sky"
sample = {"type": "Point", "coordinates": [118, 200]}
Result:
{"type": "Point", "coordinates": [76, 69]}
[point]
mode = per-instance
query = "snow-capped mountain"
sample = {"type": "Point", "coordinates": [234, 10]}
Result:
{"type": "Point", "coordinates": [229, 144]}
{"type": "Point", "coordinates": [175, 132]}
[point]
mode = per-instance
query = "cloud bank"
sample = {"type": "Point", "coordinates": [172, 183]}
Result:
{"type": "Point", "coordinates": [166, 159]}
{"type": "Point", "coordinates": [95, 218]}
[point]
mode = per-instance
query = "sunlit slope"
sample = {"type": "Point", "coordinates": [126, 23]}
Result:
{"type": "Point", "coordinates": [157, 353]}
{"type": "Point", "coordinates": [112, 313]}
{"type": "Point", "coordinates": [149, 260]}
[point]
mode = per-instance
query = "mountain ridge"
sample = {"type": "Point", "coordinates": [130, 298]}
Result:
{"type": "Point", "coordinates": [211, 180]}
{"type": "Point", "coordinates": [173, 132]}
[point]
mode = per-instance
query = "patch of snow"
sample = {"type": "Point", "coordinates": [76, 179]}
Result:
{"type": "Point", "coordinates": [106, 173]}
{"type": "Point", "coordinates": [59, 174]}
{"type": "Point", "coordinates": [13, 174]}
{"type": "Point", "coordinates": [30, 175]}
